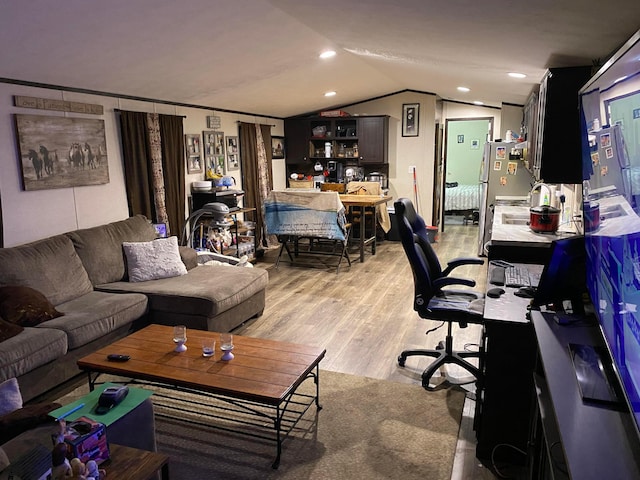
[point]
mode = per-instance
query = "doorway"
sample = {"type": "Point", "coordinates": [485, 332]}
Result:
{"type": "Point", "coordinates": [460, 176]}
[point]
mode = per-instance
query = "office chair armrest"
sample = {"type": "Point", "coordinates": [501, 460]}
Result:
{"type": "Point", "coordinates": [456, 262]}
{"type": "Point", "coordinates": [446, 281]}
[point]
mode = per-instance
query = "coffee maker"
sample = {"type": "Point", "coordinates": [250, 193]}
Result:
{"type": "Point", "coordinates": [335, 171]}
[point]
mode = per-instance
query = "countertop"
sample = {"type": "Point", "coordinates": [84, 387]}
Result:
{"type": "Point", "coordinates": [616, 217]}
{"type": "Point", "coordinates": [509, 233]}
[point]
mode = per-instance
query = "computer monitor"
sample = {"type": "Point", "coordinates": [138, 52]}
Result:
{"type": "Point", "coordinates": [564, 276]}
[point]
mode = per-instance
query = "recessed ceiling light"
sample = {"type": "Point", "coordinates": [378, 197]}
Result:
{"type": "Point", "coordinates": [478, 102]}
{"type": "Point", "coordinates": [329, 94]}
{"type": "Point", "coordinates": [328, 54]}
{"type": "Point", "coordinates": [517, 75]}
{"type": "Point", "coordinates": [464, 89]}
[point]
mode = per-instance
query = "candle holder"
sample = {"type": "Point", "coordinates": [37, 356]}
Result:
{"type": "Point", "coordinates": [180, 338]}
{"type": "Point", "coordinates": [226, 345]}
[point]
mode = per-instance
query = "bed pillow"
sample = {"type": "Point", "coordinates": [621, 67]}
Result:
{"type": "Point", "coordinates": [25, 306]}
{"type": "Point", "coordinates": [153, 260]}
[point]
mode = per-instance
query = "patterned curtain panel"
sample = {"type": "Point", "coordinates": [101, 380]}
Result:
{"type": "Point", "coordinates": [257, 176]}
{"type": "Point", "coordinates": [152, 147]}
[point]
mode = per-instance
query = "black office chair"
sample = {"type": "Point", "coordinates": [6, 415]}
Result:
{"type": "Point", "coordinates": [431, 299]}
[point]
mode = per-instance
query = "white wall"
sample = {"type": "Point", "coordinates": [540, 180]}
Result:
{"type": "Point", "coordinates": [31, 215]}
{"type": "Point", "coordinates": [405, 152]}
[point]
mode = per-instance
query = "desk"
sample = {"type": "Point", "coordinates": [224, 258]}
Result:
{"type": "Point", "coordinates": [364, 202]}
{"type": "Point", "coordinates": [503, 399]}
{"type": "Point", "coordinates": [585, 440]}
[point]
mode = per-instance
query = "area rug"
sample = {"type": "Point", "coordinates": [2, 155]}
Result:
{"type": "Point", "coordinates": [367, 429]}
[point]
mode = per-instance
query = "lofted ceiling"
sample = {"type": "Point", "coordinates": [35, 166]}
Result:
{"type": "Point", "coordinates": [261, 56]}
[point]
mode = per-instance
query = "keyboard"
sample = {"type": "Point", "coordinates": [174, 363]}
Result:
{"type": "Point", "coordinates": [517, 277]}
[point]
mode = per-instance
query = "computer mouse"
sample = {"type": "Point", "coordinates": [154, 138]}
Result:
{"type": "Point", "coordinates": [495, 292]}
{"type": "Point", "coordinates": [525, 292]}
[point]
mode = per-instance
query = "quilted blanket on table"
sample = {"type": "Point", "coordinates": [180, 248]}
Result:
{"type": "Point", "coordinates": [305, 214]}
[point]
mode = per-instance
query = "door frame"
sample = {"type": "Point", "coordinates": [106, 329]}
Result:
{"type": "Point", "coordinates": [441, 181]}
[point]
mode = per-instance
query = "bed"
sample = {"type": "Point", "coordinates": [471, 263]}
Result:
{"type": "Point", "coordinates": [461, 198]}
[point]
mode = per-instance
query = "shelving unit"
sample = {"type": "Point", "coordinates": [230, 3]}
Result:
{"type": "Point", "coordinates": [203, 229]}
{"type": "Point", "coordinates": [360, 141]}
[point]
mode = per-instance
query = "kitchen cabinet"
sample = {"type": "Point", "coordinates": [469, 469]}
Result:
{"type": "Point", "coordinates": [373, 133]}
{"type": "Point", "coordinates": [556, 146]}
{"type": "Point", "coordinates": [351, 140]}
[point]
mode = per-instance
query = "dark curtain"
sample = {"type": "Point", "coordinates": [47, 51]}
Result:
{"type": "Point", "coordinates": [257, 179]}
{"type": "Point", "coordinates": [136, 157]}
{"type": "Point", "coordinates": [161, 198]}
{"type": "Point", "coordinates": [171, 133]}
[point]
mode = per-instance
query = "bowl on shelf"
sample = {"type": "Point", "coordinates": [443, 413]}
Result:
{"type": "Point", "coordinates": [201, 185]}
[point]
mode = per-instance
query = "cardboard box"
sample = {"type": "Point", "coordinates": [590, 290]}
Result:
{"type": "Point", "coordinates": [86, 439]}
{"type": "Point", "coordinates": [334, 113]}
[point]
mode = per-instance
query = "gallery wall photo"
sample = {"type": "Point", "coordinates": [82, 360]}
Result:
{"type": "Point", "coordinates": [61, 152]}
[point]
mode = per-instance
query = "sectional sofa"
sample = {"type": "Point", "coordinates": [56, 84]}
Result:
{"type": "Point", "coordinates": [84, 275]}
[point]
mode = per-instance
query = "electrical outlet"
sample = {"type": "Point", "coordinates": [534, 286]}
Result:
{"type": "Point", "coordinates": [412, 168]}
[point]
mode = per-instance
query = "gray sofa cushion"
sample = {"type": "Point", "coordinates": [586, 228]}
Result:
{"type": "Point", "coordinates": [205, 290]}
{"type": "Point", "coordinates": [96, 314]}
{"type": "Point", "coordinates": [100, 248]}
{"type": "Point", "coordinates": [50, 266]}
{"type": "Point", "coordinates": [32, 348]}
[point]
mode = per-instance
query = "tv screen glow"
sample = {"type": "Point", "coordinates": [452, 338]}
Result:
{"type": "Point", "coordinates": [610, 117]}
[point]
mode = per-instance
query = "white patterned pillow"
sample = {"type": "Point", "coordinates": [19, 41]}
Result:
{"type": "Point", "coordinates": [153, 260]}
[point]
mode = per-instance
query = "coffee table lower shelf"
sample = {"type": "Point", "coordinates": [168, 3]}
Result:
{"type": "Point", "coordinates": [225, 412]}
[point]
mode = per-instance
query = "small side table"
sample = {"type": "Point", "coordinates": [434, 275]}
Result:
{"type": "Point", "coordinates": [135, 464]}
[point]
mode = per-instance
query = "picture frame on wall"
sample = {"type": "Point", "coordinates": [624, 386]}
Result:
{"type": "Point", "coordinates": [193, 153]}
{"type": "Point", "coordinates": [277, 147]}
{"type": "Point", "coordinates": [61, 152]}
{"type": "Point", "coordinates": [213, 149]}
{"type": "Point", "coordinates": [410, 119]}
{"type": "Point", "coordinates": [233, 153]}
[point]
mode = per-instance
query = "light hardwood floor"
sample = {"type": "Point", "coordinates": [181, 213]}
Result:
{"type": "Point", "coordinates": [363, 316]}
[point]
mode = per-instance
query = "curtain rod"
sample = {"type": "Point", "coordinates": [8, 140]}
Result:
{"type": "Point", "coordinates": [117, 110]}
{"type": "Point", "coordinates": [240, 121]}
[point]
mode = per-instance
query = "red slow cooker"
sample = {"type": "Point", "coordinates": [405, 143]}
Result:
{"type": "Point", "coordinates": [591, 216]}
{"type": "Point", "coordinates": [544, 219]}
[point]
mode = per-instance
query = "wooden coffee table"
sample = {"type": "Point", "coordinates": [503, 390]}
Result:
{"type": "Point", "coordinates": [264, 373]}
{"type": "Point", "coordinates": [132, 463]}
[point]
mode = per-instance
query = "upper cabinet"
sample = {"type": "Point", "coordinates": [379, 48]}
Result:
{"type": "Point", "coordinates": [554, 126]}
{"type": "Point", "coordinates": [362, 139]}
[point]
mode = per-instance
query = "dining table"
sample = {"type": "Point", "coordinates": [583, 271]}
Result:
{"type": "Point", "coordinates": [362, 203]}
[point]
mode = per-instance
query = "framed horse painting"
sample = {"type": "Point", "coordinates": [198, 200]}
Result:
{"type": "Point", "coordinates": [61, 152]}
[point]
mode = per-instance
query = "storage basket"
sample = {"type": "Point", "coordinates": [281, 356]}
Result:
{"type": "Point", "coordinates": [300, 183]}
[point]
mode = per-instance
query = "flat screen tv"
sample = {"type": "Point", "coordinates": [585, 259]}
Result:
{"type": "Point", "coordinates": [610, 118]}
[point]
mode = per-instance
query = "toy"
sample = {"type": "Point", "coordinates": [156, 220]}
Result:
{"type": "Point", "coordinates": [61, 469]}
{"type": "Point", "coordinates": [78, 469]}
{"type": "Point", "coordinates": [93, 472]}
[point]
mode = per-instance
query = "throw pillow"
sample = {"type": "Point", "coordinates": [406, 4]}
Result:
{"type": "Point", "coordinates": [25, 418]}
{"type": "Point", "coordinates": [8, 329]}
{"type": "Point", "coordinates": [10, 396]}
{"type": "Point", "coordinates": [25, 306]}
{"type": "Point", "coordinates": [153, 260]}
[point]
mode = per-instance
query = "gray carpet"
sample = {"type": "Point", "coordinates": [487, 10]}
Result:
{"type": "Point", "coordinates": [367, 429]}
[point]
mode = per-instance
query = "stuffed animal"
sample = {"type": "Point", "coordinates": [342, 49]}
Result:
{"type": "Point", "coordinates": [61, 469]}
{"type": "Point", "coordinates": [78, 469]}
{"type": "Point", "coordinates": [93, 472]}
